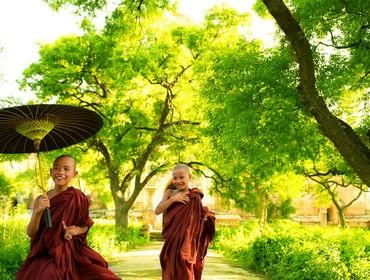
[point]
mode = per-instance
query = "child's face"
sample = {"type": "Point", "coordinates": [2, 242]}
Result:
{"type": "Point", "coordinates": [63, 171]}
{"type": "Point", "coordinates": [180, 178]}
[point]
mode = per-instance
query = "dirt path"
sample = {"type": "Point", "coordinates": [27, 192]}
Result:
{"type": "Point", "coordinates": [143, 264]}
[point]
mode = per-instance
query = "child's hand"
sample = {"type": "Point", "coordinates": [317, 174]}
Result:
{"type": "Point", "coordinates": [41, 203]}
{"type": "Point", "coordinates": [181, 197]}
{"type": "Point", "coordinates": [70, 231]}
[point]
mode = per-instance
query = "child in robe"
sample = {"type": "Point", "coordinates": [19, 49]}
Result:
{"type": "Point", "coordinates": [188, 228]}
{"type": "Point", "coordinates": [61, 252]}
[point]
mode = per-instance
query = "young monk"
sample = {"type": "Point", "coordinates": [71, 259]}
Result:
{"type": "Point", "coordinates": [188, 228]}
{"type": "Point", "coordinates": [61, 252]}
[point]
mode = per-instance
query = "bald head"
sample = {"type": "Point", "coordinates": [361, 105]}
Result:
{"type": "Point", "coordinates": [72, 159]}
{"type": "Point", "coordinates": [182, 166]}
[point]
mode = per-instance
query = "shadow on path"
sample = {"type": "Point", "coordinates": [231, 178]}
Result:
{"type": "Point", "coordinates": [143, 264]}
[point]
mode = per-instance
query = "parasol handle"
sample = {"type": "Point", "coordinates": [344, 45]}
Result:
{"type": "Point", "coordinates": [48, 218]}
{"type": "Point", "coordinates": [42, 184]}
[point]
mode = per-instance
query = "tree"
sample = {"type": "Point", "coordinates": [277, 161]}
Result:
{"type": "Point", "coordinates": [136, 77]}
{"type": "Point", "coordinates": [332, 175]}
{"type": "Point", "coordinates": [256, 128]}
{"type": "Point", "coordinates": [330, 181]}
{"type": "Point", "coordinates": [341, 14]}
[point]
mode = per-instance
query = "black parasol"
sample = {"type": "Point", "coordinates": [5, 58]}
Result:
{"type": "Point", "coordinates": [43, 127]}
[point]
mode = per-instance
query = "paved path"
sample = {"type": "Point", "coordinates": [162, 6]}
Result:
{"type": "Point", "coordinates": [143, 264]}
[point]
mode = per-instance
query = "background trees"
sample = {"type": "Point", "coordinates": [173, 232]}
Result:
{"type": "Point", "coordinates": [211, 95]}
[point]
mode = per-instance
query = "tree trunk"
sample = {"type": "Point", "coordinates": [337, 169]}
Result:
{"type": "Point", "coordinates": [340, 209]}
{"type": "Point", "coordinates": [121, 212]}
{"type": "Point", "coordinates": [342, 219]}
{"type": "Point", "coordinates": [347, 142]}
{"type": "Point", "coordinates": [262, 210]}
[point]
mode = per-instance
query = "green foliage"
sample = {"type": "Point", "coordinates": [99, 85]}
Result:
{"type": "Point", "coordinates": [289, 251]}
{"type": "Point", "coordinates": [280, 210]}
{"type": "Point", "coordinates": [110, 242]}
{"type": "Point", "coordinates": [4, 185]}
{"type": "Point", "coordinates": [339, 34]}
{"type": "Point", "coordinates": [257, 129]}
{"type": "Point", "coordinates": [287, 258]}
{"type": "Point", "coordinates": [257, 124]}
{"type": "Point", "coordinates": [261, 9]}
{"type": "Point", "coordinates": [140, 8]}
{"type": "Point", "coordinates": [14, 245]}
{"type": "Point", "coordinates": [85, 5]}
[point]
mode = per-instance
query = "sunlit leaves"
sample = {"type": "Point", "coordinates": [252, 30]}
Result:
{"type": "Point", "coordinates": [89, 6]}
{"type": "Point", "coordinates": [140, 7]}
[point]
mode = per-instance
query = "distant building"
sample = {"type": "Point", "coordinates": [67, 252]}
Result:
{"type": "Point", "coordinates": [357, 214]}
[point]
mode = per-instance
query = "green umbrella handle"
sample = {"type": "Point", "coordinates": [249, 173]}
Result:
{"type": "Point", "coordinates": [48, 218]}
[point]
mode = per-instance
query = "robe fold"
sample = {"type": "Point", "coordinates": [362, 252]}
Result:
{"type": "Point", "coordinates": [54, 258]}
{"type": "Point", "coordinates": [188, 230]}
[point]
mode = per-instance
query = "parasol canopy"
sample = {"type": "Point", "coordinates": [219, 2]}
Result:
{"type": "Point", "coordinates": [43, 127]}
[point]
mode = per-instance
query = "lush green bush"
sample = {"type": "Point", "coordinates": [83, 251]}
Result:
{"type": "Point", "coordinates": [286, 250]}
{"type": "Point", "coordinates": [104, 238]}
{"type": "Point", "coordinates": [14, 243]}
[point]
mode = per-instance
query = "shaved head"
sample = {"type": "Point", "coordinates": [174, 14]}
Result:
{"type": "Point", "coordinates": [66, 156]}
{"type": "Point", "coordinates": [183, 167]}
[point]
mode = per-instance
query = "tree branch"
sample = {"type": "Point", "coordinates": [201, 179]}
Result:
{"type": "Point", "coordinates": [112, 170]}
{"type": "Point", "coordinates": [217, 178]}
{"type": "Point", "coordinates": [181, 122]}
{"type": "Point", "coordinates": [152, 173]}
{"type": "Point", "coordinates": [353, 200]}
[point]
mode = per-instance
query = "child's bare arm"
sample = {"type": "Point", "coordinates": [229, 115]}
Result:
{"type": "Point", "coordinates": [168, 199]}
{"type": "Point", "coordinates": [39, 206]}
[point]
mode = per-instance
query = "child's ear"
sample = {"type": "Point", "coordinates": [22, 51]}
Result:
{"type": "Point", "coordinates": [76, 173]}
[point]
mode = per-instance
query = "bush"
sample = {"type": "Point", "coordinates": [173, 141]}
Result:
{"type": "Point", "coordinates": [110, 243]}
{"type": "Point", "coordinates": [287, 251]}
{"type": "Point", "coordinates": [14, 245]}
{"type": "Point", "coordinates": [288, 258]}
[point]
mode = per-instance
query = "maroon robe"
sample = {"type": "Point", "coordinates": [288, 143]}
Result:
{"type": "Point", "coordinates": [188, 230]}
{"type": "Point", "coordinates": [54, 258]}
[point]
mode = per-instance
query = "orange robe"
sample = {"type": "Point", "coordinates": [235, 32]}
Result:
{"type": "Point", "coordinates": [188, 230]}
{"type": "Point", "coordinates": [52, 257]}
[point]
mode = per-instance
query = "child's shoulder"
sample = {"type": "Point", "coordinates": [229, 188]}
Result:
{"type": "Point", "coordinates": [197, 191]}
{"type": "Point", "coordinates": [76, 192]}
{"type": "Point", "coordinates": [169, 192]}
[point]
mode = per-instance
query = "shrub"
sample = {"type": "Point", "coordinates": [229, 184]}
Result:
{"type": "Point", "coordinates": [14, 245]}
{"type": "Point", "coordinates": [104, 238]}
{"type": "Point", "coordinates": [287, 251]}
